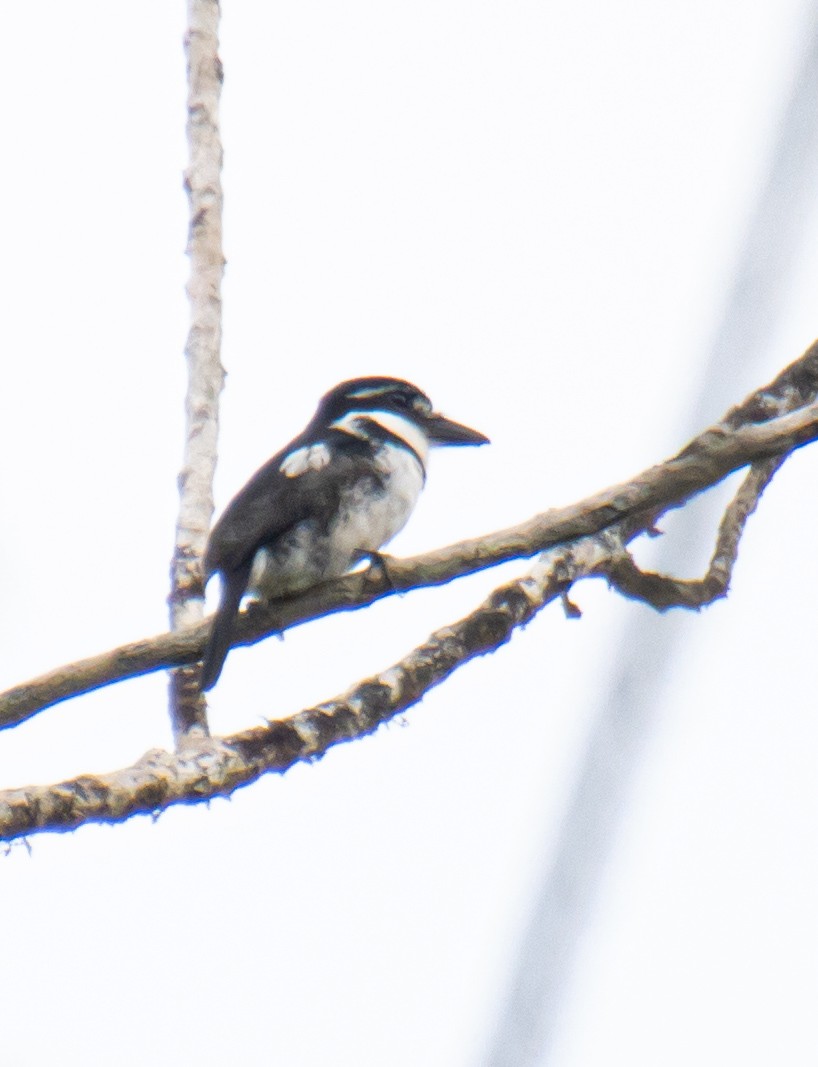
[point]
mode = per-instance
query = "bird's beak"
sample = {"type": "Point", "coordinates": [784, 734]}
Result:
{"type": "Point", "coordinates": [442, 431]}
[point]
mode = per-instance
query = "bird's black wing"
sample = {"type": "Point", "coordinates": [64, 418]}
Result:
{"type": "Point", "coordinates": [269, 505]}
{"type": "Point", "coordinates": [264, 509]}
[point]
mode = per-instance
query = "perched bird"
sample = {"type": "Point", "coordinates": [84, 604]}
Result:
{"type": "Point", "coordinates": [335, 495]}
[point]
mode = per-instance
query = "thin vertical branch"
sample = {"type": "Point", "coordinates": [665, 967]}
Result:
{"type": "Point", "coordinates": [205, 372]}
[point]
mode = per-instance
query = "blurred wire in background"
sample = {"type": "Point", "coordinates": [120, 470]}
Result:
{"type": "Point", "coordinates": [530, 1018]}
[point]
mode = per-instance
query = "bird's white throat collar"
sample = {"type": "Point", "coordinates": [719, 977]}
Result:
{"type": "Point", "coordinates": [354, 422]}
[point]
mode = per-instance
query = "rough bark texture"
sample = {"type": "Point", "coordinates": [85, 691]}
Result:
{"type": "Point", "coordinates": [203, 351]}
{"type": "Point", "coordinates": [586, 540]}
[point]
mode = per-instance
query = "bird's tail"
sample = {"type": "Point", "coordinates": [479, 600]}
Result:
{"type": "Point", "coordinates": [224, 623]}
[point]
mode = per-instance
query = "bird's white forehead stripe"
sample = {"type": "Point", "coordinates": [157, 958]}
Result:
{"type": "Point", "coordinates": [354, 422]}
{"type": "Point", "coordinates": [374, 390]}
{"type": "Point", "coordinates": [309, 458]}
{"type": "Point", "coordinates": [419, 402]}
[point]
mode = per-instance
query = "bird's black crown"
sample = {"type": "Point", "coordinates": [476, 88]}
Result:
{"type": "Point", "coordinates": [373, 394]}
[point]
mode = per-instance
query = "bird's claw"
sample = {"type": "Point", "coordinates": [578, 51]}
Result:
{"type": "Point", "coordinates": [378, 570]}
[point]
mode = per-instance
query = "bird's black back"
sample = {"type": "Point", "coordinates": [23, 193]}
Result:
{"type": "Point", "coordinates": [272, 503]}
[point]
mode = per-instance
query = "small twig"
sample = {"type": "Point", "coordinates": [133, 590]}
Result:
{"type": "Point", "coordinates": [663, 591]}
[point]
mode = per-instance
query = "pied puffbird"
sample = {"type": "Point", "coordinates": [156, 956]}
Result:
{"type": "Point", "coordinates": [336, 494]}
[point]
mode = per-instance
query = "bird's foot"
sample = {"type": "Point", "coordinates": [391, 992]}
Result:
{"type": "Point", "coordinates": [256, 610]}
{"type": "Point", "coordinates": [378, 570]}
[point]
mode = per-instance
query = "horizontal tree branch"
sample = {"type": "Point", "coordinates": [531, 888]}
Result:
{"type": "Point", "coordinates": [704, 462]}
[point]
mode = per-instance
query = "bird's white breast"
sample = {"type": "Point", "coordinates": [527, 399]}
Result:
{"type": "Point", "coordinates": [372, 510]}
{"type": "Point", "coordinates": [369, 520]}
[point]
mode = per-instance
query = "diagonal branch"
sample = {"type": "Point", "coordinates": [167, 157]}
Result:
{"type": "Point", "coordinates": [207, 768]}
{"type": "Point", "coordinates": [701, 464]}
{"type": "Point", "coordinates": [704, 462]}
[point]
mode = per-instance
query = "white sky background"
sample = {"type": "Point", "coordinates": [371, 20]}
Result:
{"type": "Point", "coordinates": [533, 211]}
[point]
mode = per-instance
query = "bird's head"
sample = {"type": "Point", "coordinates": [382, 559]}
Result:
{"type": "Point", "coordinates": [394, 406]}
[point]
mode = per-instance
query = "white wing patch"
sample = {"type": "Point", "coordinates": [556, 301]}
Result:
{"type": "Point", "coordinates": [406, 430]}
{"type": "Point", "coordinates": [309, 458]}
